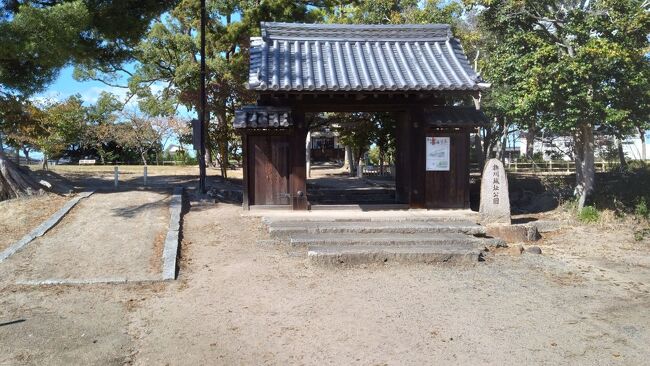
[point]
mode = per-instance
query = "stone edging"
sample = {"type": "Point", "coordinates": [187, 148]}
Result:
{"type": "Point", "coordinates": [94, 281]}
{"type": "Point", "coordinates": [170, 250]}
{"type": "Point", "coordinates": [44, 227]}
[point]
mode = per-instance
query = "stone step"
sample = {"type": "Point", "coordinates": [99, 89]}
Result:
{"type": "Point", "coordinates": [293, 228]}
{"type": "Point", "coordinates": [352, 200]}
{"type": "Point", "coordinates": [418, 239]}
{"type": "Point", "coordinates": [317, 206]}
{"type": "Point", "coordinates": [357, 213]}
{"type": "Point", "coordinates": [366, 254]}
{"type": "Point", "coordinates": [315, 191]}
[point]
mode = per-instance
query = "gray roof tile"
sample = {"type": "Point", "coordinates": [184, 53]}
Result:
{"type": "Point", "coordinates": [337, 57]}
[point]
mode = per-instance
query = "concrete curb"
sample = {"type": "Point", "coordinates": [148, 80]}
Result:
{"type": "Point", "coordinates": [170, 250]}
{"type": "Point", "coordinates": [95, 281]}
{"type": "Point", "coordinates": [44, 227]}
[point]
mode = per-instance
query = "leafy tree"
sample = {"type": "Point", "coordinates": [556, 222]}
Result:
{"type": "Point", "coordinates": [357, 131]}
{"type": "Point", "coordinates": [99, 134]}
{"type": "Point", "coordinates": [568, 65]}
{"type": "Point", "coordinates": [167, 74]}
{"type": "Point", "coordinates": [38, 38]}
{"type": "Point", "coordinates": [61, 126]}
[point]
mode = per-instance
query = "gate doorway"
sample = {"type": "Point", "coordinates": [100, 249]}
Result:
{"type": "Point", "coordinates": [349, 160]}
{"type": "Point", "coordinates": [418, 74]}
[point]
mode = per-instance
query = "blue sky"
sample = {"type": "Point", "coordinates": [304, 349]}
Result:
{"type": "Point", "coordinates": [66, 86]}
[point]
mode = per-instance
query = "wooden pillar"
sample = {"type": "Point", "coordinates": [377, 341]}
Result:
{"type": "Point", "coordinates": [417, 160]}
{"type": "Point", "coordinates": [246, 173]}
{"type": "Point", "coordinates": [402, 158]}
{"type": "Point", "coordinates": [297, 156]}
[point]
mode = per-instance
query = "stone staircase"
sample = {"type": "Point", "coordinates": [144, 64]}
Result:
{"type": "Point", "coordinates": [351, 195]}
{"type": "Point", "coordinates": [398, 237]}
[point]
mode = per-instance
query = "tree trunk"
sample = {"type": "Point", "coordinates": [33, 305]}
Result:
{"type": "Point", "coordinates": [2, 146]}
{"type": "Point", "coordinates": [530, 141]}
{"type": "Point", "coordinates": [478, 148]}
{"type": "Point", "coordinates": [223, 152]}
{"type": "Point", "coordinates": [621, 153]}
{"type": "Point", "coordinates": [208, 156]}
{"type": "Point", "coordinates": [584, 158]}
{"type": "Point", "coordinates": [487, 143]}
{"type": "Point", "coordinates": [504, 140]}
{"type": "Point", "coordinates": [143, 156]}
{"type": "Point", "coordinates": [360, 167]}
{"type": "Point", "coordinates": [642, 136]}
{"type": "Point", "coordinates": [308, 154]}
{"type": "Point", "coordinates": [348, 158]}
{"type": "Point", "coordinates": [18, 155]}
{"type": "Point", "coordinates": [26, 152]}
{"type": "Point", "coordinates": [14, 182]}
{"type": "Point", "coordinates": [44, 165]}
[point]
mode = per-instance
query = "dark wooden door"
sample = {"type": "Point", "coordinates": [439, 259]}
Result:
{"type": "Point", "coordinates": [450, 189]}
{"type": "Point", "coordinates": [268, 159]}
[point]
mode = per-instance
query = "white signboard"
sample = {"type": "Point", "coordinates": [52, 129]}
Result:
{"type": "Point", "coordinates": [437, 154]}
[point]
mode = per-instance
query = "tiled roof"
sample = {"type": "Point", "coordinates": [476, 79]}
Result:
{"type": "Point", "coordinates": [454, 117]}
{"type": "Point", "coordinates": [262, 117]}
{"type": "Point", "coordinates": [337, 57]}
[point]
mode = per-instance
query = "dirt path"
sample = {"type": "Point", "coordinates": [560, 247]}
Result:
{"type": "Point", "coordinates": [106, 236]}
{"type": "Point", "coordinates": [261, 305]}
{"type": "Point", "coordinates": [585, 301]}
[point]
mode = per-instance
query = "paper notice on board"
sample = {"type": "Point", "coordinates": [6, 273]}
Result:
{"type": "Point", "coordinates": [437, 154]}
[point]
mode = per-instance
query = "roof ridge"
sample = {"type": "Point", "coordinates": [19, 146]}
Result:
{"type": "Point", "coordinates": [323, 31]}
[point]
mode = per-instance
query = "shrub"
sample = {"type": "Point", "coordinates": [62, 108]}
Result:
{"type": "Point", "coordinates": [641, 209]}
{"type": "Point", "coordinates": [589, 214]}
{"type": "Point", "coordinates": [641, 234]}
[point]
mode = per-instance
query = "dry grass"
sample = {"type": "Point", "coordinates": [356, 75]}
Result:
{"type": "Point", "coordinates": [81, 174]}
{"type": "Point", "coordinates": [21, 215]}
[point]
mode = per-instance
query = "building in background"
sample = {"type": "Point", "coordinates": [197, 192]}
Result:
{"type": "Point", "coordinates": [325, 147]}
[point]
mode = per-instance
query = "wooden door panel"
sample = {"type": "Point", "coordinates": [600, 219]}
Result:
{"type": "Point", "coordinates": [269, 162]}
{"type": "Point", "coordinates": [450, 189]}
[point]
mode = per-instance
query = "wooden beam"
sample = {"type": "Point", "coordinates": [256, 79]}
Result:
{"type": "Point", "coordinates": [297, 156]}
{"type": "Point", "coordinates": [245, 167]}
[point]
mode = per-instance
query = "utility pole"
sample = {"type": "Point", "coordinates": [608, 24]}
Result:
{"type": "Point", "coordinates": [202, 120]}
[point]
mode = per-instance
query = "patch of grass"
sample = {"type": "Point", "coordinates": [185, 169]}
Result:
{"type": "Point", "coordinates": [625, 191]}
{"type": "Point", "coordinates": [641, 209]}
{"type": "Point", "coordinates": [641, 234]}
{"type": "Point", "coordinates": [589, 214]}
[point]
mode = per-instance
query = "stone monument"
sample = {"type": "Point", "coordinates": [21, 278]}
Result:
{"type": "Point", "coordinates": [495, 202]}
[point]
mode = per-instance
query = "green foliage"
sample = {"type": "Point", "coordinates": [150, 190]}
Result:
{"type": "Point", "coordinates": [623, 191]}
{"type": "Point", "coordinates": [60, 126]}
{"type": "Point", "coordinates": [568, 67]}
{"type": "Point", "coordinates": [641, 234]}
{"type": "Point", "coordinates": [641, 209]}
{"type": "Point", "coordinates": [38, 38]}
{"type": "Point", "coordinates": [589, 214]}
{"type": "Point", "coordinates": [180, 158]}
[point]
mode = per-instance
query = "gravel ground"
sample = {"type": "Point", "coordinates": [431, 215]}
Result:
{"type": "Point", "coordinates": [586, 300]}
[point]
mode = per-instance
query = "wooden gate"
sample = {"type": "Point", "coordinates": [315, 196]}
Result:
{"type": "Point", "coordinates": [269, 180]}
{"type": "Point", "coordinates": [450, 189]}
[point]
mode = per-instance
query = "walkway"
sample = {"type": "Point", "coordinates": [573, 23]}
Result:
{"type": "Point", "coordinates": [110, 236]}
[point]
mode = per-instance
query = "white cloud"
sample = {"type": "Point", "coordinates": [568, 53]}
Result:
{"type": "Point", "coordinates": [91, 95]}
